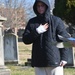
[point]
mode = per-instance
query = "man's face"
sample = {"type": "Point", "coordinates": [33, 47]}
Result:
{"type": "Point", "coordinates": [41, 7]}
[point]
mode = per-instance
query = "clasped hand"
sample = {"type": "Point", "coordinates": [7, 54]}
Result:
{"type": "Point", "coordinates": [42, 28]}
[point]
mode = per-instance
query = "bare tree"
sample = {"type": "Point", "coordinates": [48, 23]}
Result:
{"type": "Point", "coordinates": [29, 9]}
{"type": "Point", "coordinates": [14, 11]}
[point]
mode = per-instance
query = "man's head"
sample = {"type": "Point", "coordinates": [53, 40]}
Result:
{"type": "Point", "coordinates": [41, 7]}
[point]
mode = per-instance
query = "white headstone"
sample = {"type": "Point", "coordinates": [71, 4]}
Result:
{"type": "Point", "coordinates": [1, 47]}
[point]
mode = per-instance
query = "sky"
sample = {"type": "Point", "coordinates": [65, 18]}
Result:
{"type": "Point", "coordinates": [31, 2]}
{"type": "Point", "coordinates": [52, 2]}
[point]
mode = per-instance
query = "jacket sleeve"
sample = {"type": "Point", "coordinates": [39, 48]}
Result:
{"type": "Point", "coordinates": [62, 31]}
{"type": "Point", "coordinates": [29, 36]}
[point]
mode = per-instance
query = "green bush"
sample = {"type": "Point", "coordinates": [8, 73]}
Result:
{"type": "Point", "coordinates": [66, 10]}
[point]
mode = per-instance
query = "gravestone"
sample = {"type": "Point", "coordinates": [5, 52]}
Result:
{"type": "Point", "coordinates": [3, 69]}
{"type": "Point", "coordinates": [11, 48]}
{"type": "Point", "coordinates": [71, 58]}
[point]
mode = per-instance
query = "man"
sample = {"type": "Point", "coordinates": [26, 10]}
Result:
{"type": "Point", "coordinates": [42, 31]}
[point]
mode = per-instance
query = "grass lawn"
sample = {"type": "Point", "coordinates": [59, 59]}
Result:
{"type": "Point", "coordinates": [24, 54]}
{"type": "Point", "coordinates": [21, 70]}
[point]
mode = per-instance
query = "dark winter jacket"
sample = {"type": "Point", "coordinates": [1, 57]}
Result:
{"type": "Point", "coordinates": [44, 51]}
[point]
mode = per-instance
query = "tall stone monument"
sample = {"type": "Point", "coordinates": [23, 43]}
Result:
{"type": "Point", "coordinates": [3, 69]}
